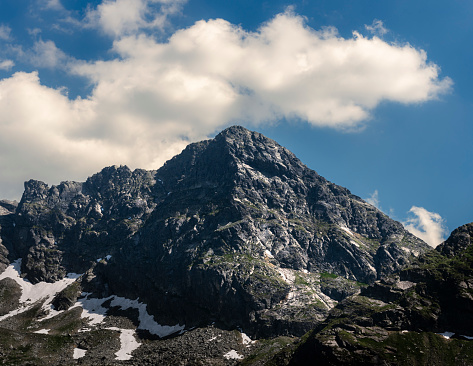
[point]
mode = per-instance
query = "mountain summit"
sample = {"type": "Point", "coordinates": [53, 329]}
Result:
{"type": "Point", "coordinates": [234, 230]}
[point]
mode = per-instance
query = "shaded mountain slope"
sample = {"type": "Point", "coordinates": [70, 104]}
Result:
{"type": "Point", "coordinates": [234, 229]}
{"type": "Point", "coordinates": [423, 316]}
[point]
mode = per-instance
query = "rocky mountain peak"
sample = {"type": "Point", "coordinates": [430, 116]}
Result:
{"type": "Point", "coordinates": [259, 151]}
{"type": "Point", "coordinates": [234, 228]}
{"type": "Point", "coordinates": [459, 240]}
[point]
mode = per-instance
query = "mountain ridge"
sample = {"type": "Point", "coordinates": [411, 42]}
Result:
{"type": "Point", "coordinates": [234, 230]}
{"type": "Point", "coordinates": [422, 315]}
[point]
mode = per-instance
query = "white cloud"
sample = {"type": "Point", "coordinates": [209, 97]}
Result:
{"type": "Point", "coordinates": [429, 226]}
{"type": "Point", "coordinates": [6, 64]}
{"type": "Point", "coordinates": [284, 70]}
{"type": "Point", "coordinates": [46, 54]}
{"type": "Point", "coordinates": [122, 17]}
{"type": "Point", "coordinates": [53, 138]}
{"type": "Point", "coordinates": [5, 32]}
{"type": "Point", "coordinates": [373, 199]}
{"type": "Point", "coordinates": [154, 98]}
{"type": "Point", "coordinates": [34, 31]}
{"type": "Point", "coordinates": [52, 4]}
{"type": "Point", "coordinates": [377, 28]}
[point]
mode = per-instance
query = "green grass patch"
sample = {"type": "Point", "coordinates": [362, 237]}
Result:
{"type": "Point", "coordinates": [328, 275]}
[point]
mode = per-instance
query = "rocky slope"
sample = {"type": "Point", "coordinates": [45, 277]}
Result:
{"type": "Point", "coordinates": [422, 316]}
{"type": "Point", "coordinates": [234, 230]}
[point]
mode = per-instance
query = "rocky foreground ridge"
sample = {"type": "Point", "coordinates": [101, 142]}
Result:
{"type": "Point", "coordinates": [233, 233]}
{"type": "Point", "coordinates": [422, 315]}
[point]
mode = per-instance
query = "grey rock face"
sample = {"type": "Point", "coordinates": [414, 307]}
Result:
{"type": "Point", "coordinates": [7, 211]}
{"type": "Point", "coordinates": [394, 321]}
{"type": "Point", "coordinates": [234, 229]}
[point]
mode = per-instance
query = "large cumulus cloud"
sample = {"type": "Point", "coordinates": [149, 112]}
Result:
{"type": "Point", "coordinates": [154, 96]}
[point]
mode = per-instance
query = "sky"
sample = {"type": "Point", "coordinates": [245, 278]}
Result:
{"type": "Point", "coordinates": [375, 96]}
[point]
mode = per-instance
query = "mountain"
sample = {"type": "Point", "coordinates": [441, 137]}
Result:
{"type": "Point", "coordinates": [421, 316]}
{"type": "Point", "coordinates": [234, 231]}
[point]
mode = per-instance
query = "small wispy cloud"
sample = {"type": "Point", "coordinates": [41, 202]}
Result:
{"type": "Point", "coordinates": [373, 199]}
{"type": "Point", "coordinates": [46, 54]}
{"type": "Point", "coordinates": [34, 32]}
{"type": "Point", "coordinates": [6, 64]}
{"type": "Point", "coordinates": [124, 17]}
{"type": "Point", "coordinates": [5, 32]}
{"type": "Point", "coordinates": [51, 4]}
{"type": "Point", "coordinates": [377, 28]}
{"type": "Point", "coordinates": [426, 225]}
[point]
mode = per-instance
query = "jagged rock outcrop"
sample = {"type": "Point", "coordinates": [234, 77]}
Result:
{"type": "Point", "coordinates": [395, 320]}
{"type": "Point", "coordinates": [7, 210]}
{"type": "Point", "coordinates": [234, 229]}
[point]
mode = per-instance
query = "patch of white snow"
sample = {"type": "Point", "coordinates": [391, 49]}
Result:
{"type": "Point", "coordinates": [233, 355]}
{"type": "Point", "coordinates": [128, 343]}
{"type": "Point", "coordinates": [446, 334]}
{"type": "Point", "coordinates": [79, 353]}
{"type": "Point", "coordinates": [147, 321]}
{"type": "Point", "coordinates": [30, 293]}
{"type": "Point", "coordinates": [92, 309]}
{"type": "Point", "coordinates": [246, 340]}
{"type": "Point", "coordinates": [42, 331]}
{"type": "Point", "coordinates": [96, 313]}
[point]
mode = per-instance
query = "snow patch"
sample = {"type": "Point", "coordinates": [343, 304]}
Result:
{"type": "Point", "coordinates": [212, 339]}
{"type": "Point", "coordinates": [79, 353]}
{"type": "Point", "coordinates": [233, 355]}
{"type": "Point", "coordinates": [446, 334]}
{"type": "Point", "coordinates": [147, 321]}
{"type": "Point", "coordinates": [30, 293]}
{"type": "Point", "coordinates": [268, 254]}
{"type": "Point", "coordinates": [247, 341]}
{"type": "Point", "coordinates": [92, 309]}
{"type": "Point", "coordinates": [42, 331]}
{"type": "Point", "coordinates": [95, 312]}
{"type": "Point", "coordinates": [128, 343]}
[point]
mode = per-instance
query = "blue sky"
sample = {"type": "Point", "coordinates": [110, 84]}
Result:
{"type": "Point", "coordinates": [374, 95]}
